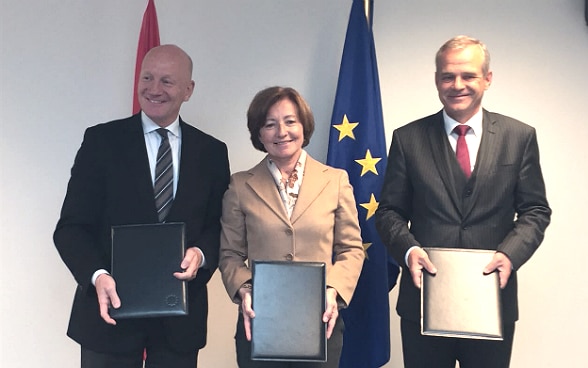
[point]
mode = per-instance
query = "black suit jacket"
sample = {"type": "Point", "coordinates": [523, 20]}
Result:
{"type": "Point", "coordinates": [427, 201]}
{"type": "Point", "coordinates": [111, 184]}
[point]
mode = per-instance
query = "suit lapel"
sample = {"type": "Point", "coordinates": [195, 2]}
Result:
{"type": "Point", "coordinates": [313, 183]}
{"type": "Point", "coordinates": [264, 186]}
{"type": "Point", "coordinates": [489, 147]}
{"type": "Point", "coordinates": [134, 152]}
{"type": "Point", "coordinates": [190, 180]}
{"type": "Point", "coordinates": [190, 152]}
{"type": "Point", "coordinates": [442, 157]}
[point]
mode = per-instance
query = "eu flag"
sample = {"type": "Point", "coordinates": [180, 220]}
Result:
{"type": "Point", "coordinates": [357, 144]}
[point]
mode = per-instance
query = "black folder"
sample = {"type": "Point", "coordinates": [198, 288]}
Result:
{"type": "Point", "coordinates": [289, 303]}
{"type": "Point", "coordinates": [144, 258]}
{"type": "Point", "coordinates": [460, 301]}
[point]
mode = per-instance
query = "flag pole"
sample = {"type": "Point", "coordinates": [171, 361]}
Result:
{"type": "Point", "coordinates": [366, 5]}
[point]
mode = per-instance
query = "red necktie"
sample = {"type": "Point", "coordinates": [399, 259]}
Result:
{"type": "Point", "coordinates": [461, 151]}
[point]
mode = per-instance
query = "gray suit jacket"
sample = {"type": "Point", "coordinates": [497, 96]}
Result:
{"type": "Point", "coordinates": [427, 201]}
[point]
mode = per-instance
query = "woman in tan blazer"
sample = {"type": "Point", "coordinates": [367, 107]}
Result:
{"type": "Point", "coordinates": [289, 207]}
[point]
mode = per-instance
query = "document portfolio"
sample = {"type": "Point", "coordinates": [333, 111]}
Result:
{"type": "Point", "coordinates": [289, 302]}
{"type": "Point", "coordinates": [144, 258]}
{"type": "Point", "coordinates": [459, 300]}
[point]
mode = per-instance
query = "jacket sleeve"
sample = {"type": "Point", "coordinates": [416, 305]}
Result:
{"type": "Point", "coordinates": [395, 209]}
{"type": "Point", "coordinates": [233, 242]}
{"type": "Point", "coordinates": [531, 206]}
{"type": "Point", "coordinates": [76, 236]}
{"type": "Point", "coordinates": [348, 252]}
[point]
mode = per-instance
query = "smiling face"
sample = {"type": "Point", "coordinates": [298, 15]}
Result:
{"type": "Point", "coordinates": [282, 135]}
{"type": "Point", "coordinates": [461, 81]}
{"type": "Point", "coordinates": [165, 83]}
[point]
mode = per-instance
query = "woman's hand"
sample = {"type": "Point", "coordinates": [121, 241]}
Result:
{"type": "Point", "coordinates": [332, 311]}
{"type": "Point", "coordinates": [248, 313]}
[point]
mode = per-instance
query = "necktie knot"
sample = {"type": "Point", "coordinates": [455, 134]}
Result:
{"type": "Point", "coordinates": [162, 132]}
{"type": "Point", "coordinates": [461, 129]}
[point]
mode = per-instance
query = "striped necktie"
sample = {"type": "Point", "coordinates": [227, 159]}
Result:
{"type": "Point", "coordinates": [163, 187]}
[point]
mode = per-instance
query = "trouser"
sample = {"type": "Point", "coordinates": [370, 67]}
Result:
{"type": "Point", "coordinates": [421, 351]}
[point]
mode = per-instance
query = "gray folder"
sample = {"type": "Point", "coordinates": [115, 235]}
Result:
{"type": "Point", "coordinates": [460, 301]}
{"type": "Point", "coordinates": [289, 302]}
{"type": "Point", "coordinates": [144, 258]}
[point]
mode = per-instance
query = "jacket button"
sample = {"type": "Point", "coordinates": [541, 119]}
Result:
{"type": "Point", "coordinates": [289, 256]}
{"type": "Point", "coordinates": [289, 232]}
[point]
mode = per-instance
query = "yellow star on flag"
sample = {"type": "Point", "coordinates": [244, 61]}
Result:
{"type": "Point", "coordinates": [368, 163]}
{"type": "Point", "coordinates": [345, 128]}
{"type": "Point", "coordinates": [365, 248]}
{"type": "Point", "coordinates": [371, 207]}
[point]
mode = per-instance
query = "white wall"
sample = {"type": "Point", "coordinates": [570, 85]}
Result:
{"type": "Point", "coordinates": [68, 64]}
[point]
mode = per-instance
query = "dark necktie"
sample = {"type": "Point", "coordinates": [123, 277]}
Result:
{"type": "Point", "coordinates": [461, 150]}
{"type": "Point", "coordinates": [163, 187]}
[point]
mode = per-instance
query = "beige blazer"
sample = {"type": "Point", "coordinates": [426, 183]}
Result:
{"type": "Point", "coordinates": [324, 226]}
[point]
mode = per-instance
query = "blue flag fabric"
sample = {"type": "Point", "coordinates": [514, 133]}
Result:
{"type": "Point", "coordinates": [357, 144]}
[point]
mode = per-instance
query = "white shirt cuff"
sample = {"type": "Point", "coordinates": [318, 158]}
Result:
{"type": "Point", "coordinates": [408, 253]}
{"type": "Point", "coordinates": [96, 274]}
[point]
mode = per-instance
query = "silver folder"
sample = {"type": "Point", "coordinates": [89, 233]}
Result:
{"type": "Point", "coordinates": [459, 300]}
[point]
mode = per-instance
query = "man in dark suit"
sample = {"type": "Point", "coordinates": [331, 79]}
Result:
{"type": "Point", "coordinates": [112, 183]}
{"type": "Point", "coordinates": [492, 198]}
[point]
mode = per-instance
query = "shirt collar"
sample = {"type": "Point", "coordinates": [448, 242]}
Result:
{"type": "Point", "coordinates": [475, 123]}
{"type": "Point", "coordinates": [150, 126]}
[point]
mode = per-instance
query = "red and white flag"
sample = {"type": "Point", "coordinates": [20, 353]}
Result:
{"type": "Point", "coordinates": [148, 39]}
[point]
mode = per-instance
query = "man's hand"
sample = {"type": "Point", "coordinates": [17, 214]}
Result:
{"type": "Point", "coordinates": [332, 311]}
{"type": "Point", "coordinates": [107, 296]}
{"type": "Point", "coordinates": [417, 260]}
{"type": "Point", "coordinates": [190, 264]}
{"type": "Point", "coordinates": [248, 313]}
{"type": "Point", "coordinates": [503, 265]}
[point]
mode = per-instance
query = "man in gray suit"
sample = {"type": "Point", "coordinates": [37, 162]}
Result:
{"type": "Point", "coordinates": [490, 196]}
